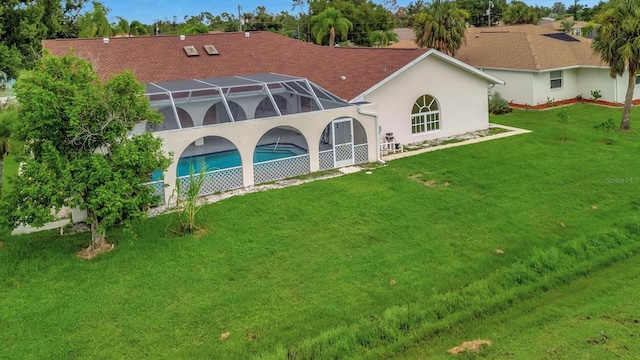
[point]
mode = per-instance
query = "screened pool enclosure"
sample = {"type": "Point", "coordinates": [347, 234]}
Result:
{"type": "Point", "coordinates": [253, 129]}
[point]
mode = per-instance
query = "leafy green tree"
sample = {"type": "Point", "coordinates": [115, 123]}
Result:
{"type": "Point", "coordinates": [519, 13]}
{"type": "Point", "coordinates": [477, 10]}
{"type": "Point", "coordinates": [8, 120]}
{"type": "Point", "coordinates": [365, 16]}
{"type": "Point", "coordinates": [541, 11]}
{"type": "Point", "coordinates": [441, 27]}
{"type": "Point", "coordinates": [261, 20]}
{"type": "Point", "coordinates": [137, 28]}
{"type": "Point", "coordinates": [78, 151]}
{"type": "Point", "coordinates": [95, 23]}
{"type": "Point", "coordinates": [122, 26]}
{"type": "Point", "coordinates": [559, 9]}
{"type": "Point", "coordinates": [329, 22]}
{"type": "Point", "coordinates": [382, 38]}
{"type": "Point", "coordinates": [22, 29]}
{"type": "Point", "coordinates": [618, 43]}
{"type": "Point", "coordinates": [589, 12]}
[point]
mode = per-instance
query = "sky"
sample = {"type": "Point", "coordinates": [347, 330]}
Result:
{"type": "Point", "coordinates": [146, 11]}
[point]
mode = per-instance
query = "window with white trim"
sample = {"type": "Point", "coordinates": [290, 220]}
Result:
{"type": "Point", "coordinates": [556, 79]}
{"type": "Point", "coordinates": [425, 115]}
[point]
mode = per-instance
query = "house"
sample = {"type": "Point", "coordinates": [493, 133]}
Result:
{"type": "Point", "coordinates": [556, 25]}
{"type": "Point", "coordinates": [258, 107]}
{"type": "Point", "coordinates": [540, 64]}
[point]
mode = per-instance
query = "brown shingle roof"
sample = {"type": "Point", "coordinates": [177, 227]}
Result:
{"type": "Point", "coordinates": [525, 47]}
{"type": "Point", "coordinates": [157, 59]}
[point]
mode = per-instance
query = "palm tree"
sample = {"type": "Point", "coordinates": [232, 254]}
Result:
{"type": "Point", "coordinates": [382, 37]}
{"type": "Point", "coordinates": [330, 21]}
{"type": "Point", "coordinates": [566, 25]}
{"type": "Point", "coordinates": [519, 13]}
{"type": "Point", "coordinates": [617, 42]}
{"type": "Point", "coordinates": [441, 27]}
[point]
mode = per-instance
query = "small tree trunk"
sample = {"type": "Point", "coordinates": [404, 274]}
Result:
{"type": "Point", "coordinates": [625, 124]}
{"type": "Point", "coordinates": [98, 239]}
{"type": "Point", "coordinates": [332, 37]}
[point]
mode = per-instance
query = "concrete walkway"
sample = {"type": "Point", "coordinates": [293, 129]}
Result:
{"type": "Point", "coordinates": [512, 131]}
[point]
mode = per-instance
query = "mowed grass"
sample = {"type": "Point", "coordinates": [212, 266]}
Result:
{"type": "Point", "coordinates": [595, 317]}
{"type": "Point", "coordinates": [279, 267]}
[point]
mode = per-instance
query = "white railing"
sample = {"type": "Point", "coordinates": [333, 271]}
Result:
{"type": "Point", "coordinates": [215, 181]}
{"type": "Point", "coordinates": [279, 169]}
{"type": "Point", "coordinates": [326, 160]}
{"type": "Point", "coordinates": [361, 154]}
{"type": "Point", "coordinates": [158, 189]}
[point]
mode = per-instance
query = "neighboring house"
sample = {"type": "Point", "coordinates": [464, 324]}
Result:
{"type": "Point", "coordinates": [540, 64]}
{"type": "Point", "coordinates": [553, 24]}
{"type": "Point", "coordinates": [406, 39]}
{"type": "Point", "coordinates": [258, 106]}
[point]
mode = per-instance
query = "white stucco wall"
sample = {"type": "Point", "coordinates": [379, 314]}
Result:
{"type": "Point", "coordinates": [621, 88]}
{"type": "Point", "coordinates": [542, 87]}
{"type": "Point", "coordinates": [245, 135]}
{"type": "Point", "coordinates": [462, 98]}
{"type": "Point", "coordinates": [518, 87]}
{"type": "Point", "coordinates": [533, 88]}
{"type": "Point", "coordinates": [591, 79]}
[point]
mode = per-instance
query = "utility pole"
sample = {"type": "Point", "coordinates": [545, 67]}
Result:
{"type": "Point", "coordinates": [489, 12]}
{"type": "Point", "coordinates": [239, 18]}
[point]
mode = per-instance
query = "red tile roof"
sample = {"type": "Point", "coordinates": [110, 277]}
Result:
{"type": "Point", "coordinates": [162, 58]}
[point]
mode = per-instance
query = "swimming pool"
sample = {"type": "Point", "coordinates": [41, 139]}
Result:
{"type": "Point", "coordinates": [231, 158]}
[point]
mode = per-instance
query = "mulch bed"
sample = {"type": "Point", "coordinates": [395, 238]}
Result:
{"type": "Point", "coordinates": [570, 102]}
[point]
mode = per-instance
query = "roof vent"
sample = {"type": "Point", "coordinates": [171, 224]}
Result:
{"type": "Point", "coordinates": [246, 34]}
{"type": "Point", "coordinates": [211, 50]}
{"type": "Point", "coordinates": [105, 40]}
{"type": "Point", "coordinates": [182, 37]}
{"type": "Point", "coordinates": [191, 51]}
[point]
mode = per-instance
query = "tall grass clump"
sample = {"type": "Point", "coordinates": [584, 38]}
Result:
{"type": "Point", "coordinates": [187, 201]}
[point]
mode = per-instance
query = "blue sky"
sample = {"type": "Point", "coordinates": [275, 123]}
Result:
{"type": "Point", "coordinates": [147, 11]}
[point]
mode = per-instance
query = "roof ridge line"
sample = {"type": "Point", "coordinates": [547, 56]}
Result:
{"type": "Point", "coordinates": [536, 63]}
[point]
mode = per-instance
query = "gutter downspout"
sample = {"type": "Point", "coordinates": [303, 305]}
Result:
{"type": "Point", "coordinates": [363, 112]}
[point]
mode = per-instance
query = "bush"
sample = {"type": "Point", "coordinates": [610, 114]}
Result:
{"type": "Point", "coordinates": [498, 105]}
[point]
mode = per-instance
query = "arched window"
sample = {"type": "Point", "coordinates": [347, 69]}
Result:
{"type": "Point", "coordinates": [425, 115]}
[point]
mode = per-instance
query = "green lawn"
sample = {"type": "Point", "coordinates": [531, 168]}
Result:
{"type": "Point", "coordinates": [595, 317]}
{"type": "Point", "coordinates": [312, 264]}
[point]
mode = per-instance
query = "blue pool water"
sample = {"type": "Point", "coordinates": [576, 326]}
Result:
{"type": "Point", "coordinates": [231, 158]}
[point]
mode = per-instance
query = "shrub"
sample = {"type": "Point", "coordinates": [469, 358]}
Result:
{"type": "Point", "coordinates": [606, 126]}
{"type": "Point", "coordinates": [595, 95]}
{"type": "Point", "coordinates": [563, 118]}
{"type": "Point", "coordinates": [498, 105]}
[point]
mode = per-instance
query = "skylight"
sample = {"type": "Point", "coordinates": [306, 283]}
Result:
{"type": "Point", "coordinates": [211, 50]}
{"type": "Point", "coordinates": [191, 51]}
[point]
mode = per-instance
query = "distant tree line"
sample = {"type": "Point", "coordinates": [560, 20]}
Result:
{"type": "Point", "coordinates": [24, 23]}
